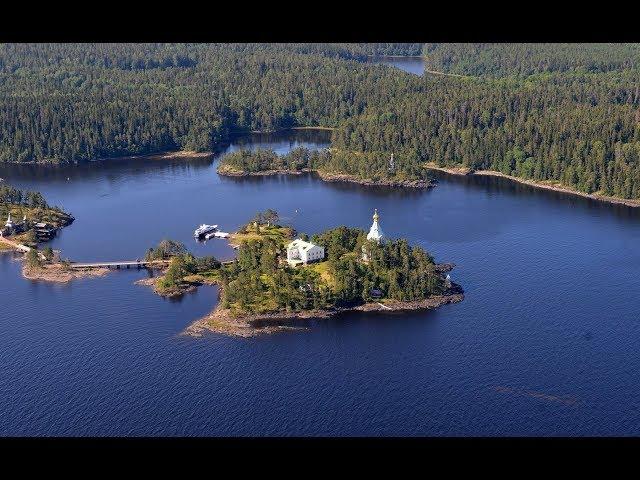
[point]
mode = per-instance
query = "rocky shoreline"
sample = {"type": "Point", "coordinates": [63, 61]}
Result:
{"type": "Point", "coordinates": [329, 177]}
{"type": "Point", "coordinates": [230, 172]}
{"type": "Point", "coordinates": [58, 273]}
{"type": "Point", "coordinates": [288, 129]}
{"type": "Point", "coordinates": [555, 187]}
{"type": "Point", "coordinates": [343, 177]}
{"type": "Point", "coordinates": [221, 320]}
{"type": "Point", "coordinates": [172, 293]}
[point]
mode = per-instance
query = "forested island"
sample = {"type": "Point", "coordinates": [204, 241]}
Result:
{"type": "Point", "coordinates": [567, 114]}
{"type": "Point", "coordinates": [259, 289]}
{"type": "Point", "coordinates": [367, 168]}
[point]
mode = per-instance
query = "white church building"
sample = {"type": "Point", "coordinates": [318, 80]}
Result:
{"type": "Point", "coordinates": [375, 234]}
{"type": "Point", "coordinates": [300, 251]}
{"type": "Point", "coordinates": [11, 227]}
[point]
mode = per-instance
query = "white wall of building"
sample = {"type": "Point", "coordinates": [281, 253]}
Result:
{"type": "Point", "coordinates": [314, 253]}
{"type": "Point", "coordinates": [304, 251]}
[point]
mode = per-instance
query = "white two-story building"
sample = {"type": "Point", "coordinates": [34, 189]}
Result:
{"type": "Point", "coordinates": [300, 251]}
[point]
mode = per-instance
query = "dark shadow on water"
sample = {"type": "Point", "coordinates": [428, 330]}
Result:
{"type": "Point", "coordinates": [113, 169]}
{"type": "Point", "coordinates": [505, 186]}
{"type": "Point", "coordinates": [266, 179]}
{"type": "Point", "coordinates": [350, 319]}
{"type": "Point", "coordinates": [377, 191]}
{"type": "Point", "coordinates": [311, 136]}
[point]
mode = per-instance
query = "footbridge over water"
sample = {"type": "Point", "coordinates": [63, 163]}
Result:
{"type": "Point", "coordinates": [122, 264]}
{"type": "Point", "coordinates": [128, 264]}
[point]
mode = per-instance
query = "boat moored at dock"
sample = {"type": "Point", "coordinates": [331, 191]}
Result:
{"type": "Point", "coordinates": [204, 229]}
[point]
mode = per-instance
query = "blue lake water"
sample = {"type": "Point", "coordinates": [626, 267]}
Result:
{"type": "Point", "coordinates": [411, 64]}
{"type": "Point", "coordinates": [545, 342]}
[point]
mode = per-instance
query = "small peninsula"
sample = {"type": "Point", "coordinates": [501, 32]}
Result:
{"type": "Point", "coordinates": [30, 222]}
{"type": "Point", "coordinates": [45, 268]}
{"type": "Point", "coordinates": [364, 168]}
{"type": "Point", "coordinates": [275, 280]}
{"type": "Point", "coordinates": [182, 273]}
{"type": "Point", "coordinates": [29, 217]}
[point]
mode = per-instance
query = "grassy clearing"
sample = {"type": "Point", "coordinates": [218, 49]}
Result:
{"type": "Point", "coordinates": [322, 268]}
{"type": "Point", "coordinates": [209, 277]}
{"type": "Point", "coordinates": [282, 235]}
{"type": "Point", "coordinates": [260, 304]}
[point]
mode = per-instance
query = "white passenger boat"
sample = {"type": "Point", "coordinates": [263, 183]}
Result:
{"type": "Point", "coordinates": [216, 234]}
{"type": "Point", "coordinates": [203, 229]}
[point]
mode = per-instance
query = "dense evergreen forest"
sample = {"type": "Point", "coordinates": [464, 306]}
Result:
{"type": "Point", "coordinates": [567, 113]}
{"type": "Point", "coordinates": [504, 59]}
{"type": "Point", "coordinates": [15, 196]}
{"type": "Point", "coordinates": [71, 102]}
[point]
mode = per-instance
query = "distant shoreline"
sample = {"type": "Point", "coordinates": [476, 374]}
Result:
{"type": "Point", "coordinates": [163, 154]}
{"type": "Point", "coordinates": [330, 129]}
{"type": "Point", "coordinates": [555, 187]}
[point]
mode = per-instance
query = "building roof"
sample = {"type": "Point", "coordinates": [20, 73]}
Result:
{"type": "Point", "coordinates": [301, 245]}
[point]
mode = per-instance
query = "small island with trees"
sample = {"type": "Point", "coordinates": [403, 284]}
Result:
{"type": "Point", "coordinates": [271, 282]}
{"type": "Point", "coordinates": [331, 165]}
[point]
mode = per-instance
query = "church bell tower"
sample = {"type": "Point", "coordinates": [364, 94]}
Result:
{"type": "Point", "coordinates": [375, 232]}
